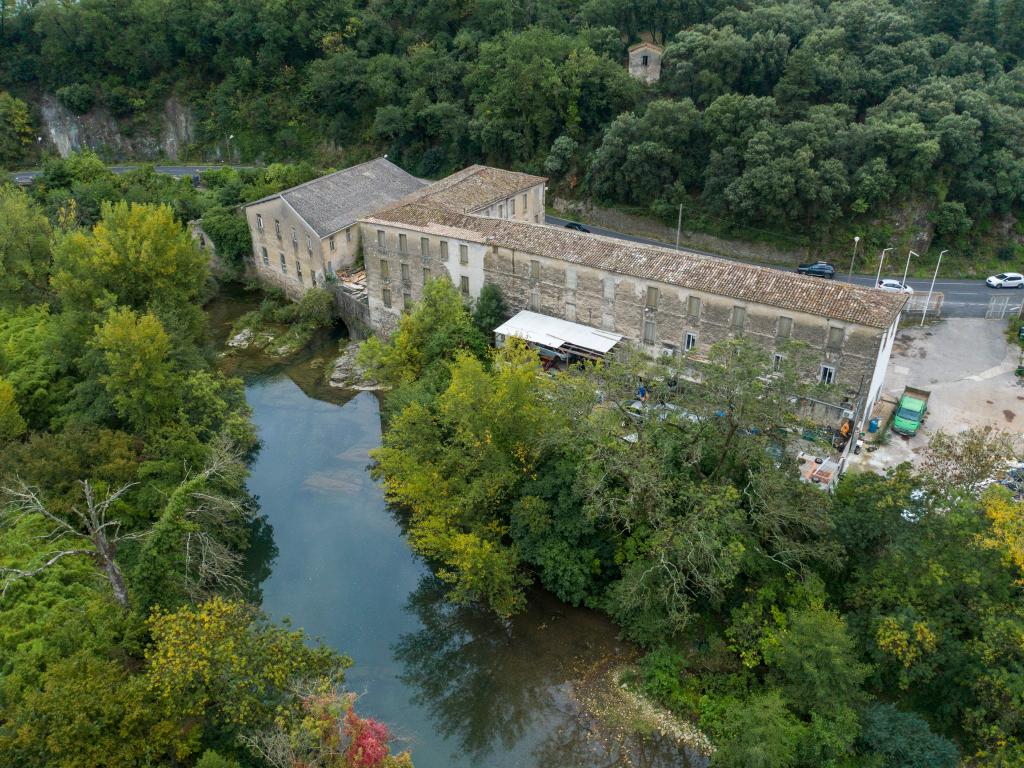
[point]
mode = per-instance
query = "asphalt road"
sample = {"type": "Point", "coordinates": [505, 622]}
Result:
{"type": "Point", "coordinates": [26, 177]}
{"type": "Point", "coordinates": [961, 298]}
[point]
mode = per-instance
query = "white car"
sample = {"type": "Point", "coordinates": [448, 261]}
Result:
{"type": "Point", "coordinates": [894, 286]}
{"type": "Point", "coordinates": [1006, 280]}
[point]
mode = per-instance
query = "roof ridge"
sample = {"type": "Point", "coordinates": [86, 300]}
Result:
{"type": "Point", "coordinates": [284, 192]}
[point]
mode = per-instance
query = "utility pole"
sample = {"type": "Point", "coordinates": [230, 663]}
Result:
{"type": "Point", "coordinates": [928, 301]}
{"type": "Point", "coordinates": [880, 262]}
{"type": "Point", "coordinates": [679, 225]}
{"type": "Point", "coordinates": [849, 277]}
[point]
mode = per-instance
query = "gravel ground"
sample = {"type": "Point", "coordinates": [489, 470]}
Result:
{"type": "Point", "coordinates": [969, 367]}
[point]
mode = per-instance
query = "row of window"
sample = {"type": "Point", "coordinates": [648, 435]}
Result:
{"type": "Point", "coordinates": [385, 291]}
{"type": "Point", "coordinates": [512, 207]}
{"type": "Point", "coordinates": [284, 264]}
{"type": "Point", "coordinates": [295, 235]}
{"type": "Point", "coordinates": [403, 247]}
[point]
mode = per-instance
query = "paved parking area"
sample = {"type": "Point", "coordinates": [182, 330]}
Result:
{"type": "Point", "coordinates": [969, 367]}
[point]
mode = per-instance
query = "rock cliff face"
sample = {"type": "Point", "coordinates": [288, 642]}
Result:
{"type": "Point", "coordinates": [165, 136]}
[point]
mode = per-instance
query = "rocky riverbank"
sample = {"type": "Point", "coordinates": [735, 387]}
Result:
{"type": "Point", "coordinates": [348, 374]}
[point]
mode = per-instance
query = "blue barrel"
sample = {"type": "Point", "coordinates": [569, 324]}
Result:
{"type": "Point", "coordinates": [873, 425]}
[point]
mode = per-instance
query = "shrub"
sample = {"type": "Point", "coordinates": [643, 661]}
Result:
{"type": "Point", "coordinates": [317, 307]}
{"type": "Point", "coordinates": [78, 97]}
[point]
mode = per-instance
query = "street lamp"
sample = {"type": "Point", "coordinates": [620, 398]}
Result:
{"type": "Point", "coordinates": [928, 301]}
{"type": "Point", "coordinates": [906, 269]}
{"type": "Point", "coordinates": [849, 277]}
{"type": "Point", "coordinates": [880, 262]}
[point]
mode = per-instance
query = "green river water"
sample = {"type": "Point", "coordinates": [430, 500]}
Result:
{"type": "Point", "coordinates": [457, 687]}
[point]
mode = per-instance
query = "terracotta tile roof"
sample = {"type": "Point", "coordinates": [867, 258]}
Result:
{"type": "Point", "coordinates": [474, 188]}
{"type": "Point", "coordinates": [743, 282]}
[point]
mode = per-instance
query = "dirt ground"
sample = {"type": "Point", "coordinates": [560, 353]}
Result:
{"type": "Point", "coordinates": [969, 367]}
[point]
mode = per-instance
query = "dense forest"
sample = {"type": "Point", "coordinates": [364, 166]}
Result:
{"type": "Point", "coordinates": [798, 120]}
{"type": "Point", "coordinates": [130, 633]}
{"type": "Point", "coordinates": [880, 626]}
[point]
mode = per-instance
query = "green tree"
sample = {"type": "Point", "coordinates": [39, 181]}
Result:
{"type": "Point", "coordinates": [15, 129]}
{"type": "Point", "coordinates": [762, 734]}
{"type": "Point", "coordinates": [904, 740]}
{"type": "Point", "coordinates": [489, 310]}
{"type": "Point", "coordinates": [137, 372]}
{"type": "Point", "coordinates": [12, 426]}
{"type": "Point", "coordinates": [24, 248]}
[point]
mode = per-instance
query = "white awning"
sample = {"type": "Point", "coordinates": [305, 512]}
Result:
{"type": "Point", "coordinates": [559, 335]}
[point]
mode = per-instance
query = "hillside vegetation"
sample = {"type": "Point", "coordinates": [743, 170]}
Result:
{"type": "Point", "coordinates": [796, 119]}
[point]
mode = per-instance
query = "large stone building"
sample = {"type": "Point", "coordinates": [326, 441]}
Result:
{"type": "Point", "coordinates": [303, 234]}
{"type": "Point", "coordinates": [485, 225]}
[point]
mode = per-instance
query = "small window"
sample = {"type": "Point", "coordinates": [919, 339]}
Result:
{"type": "Point", "coordinates": [693, 307]}
{"type": "Point", "coordinates": [526, 204]}
{"type": "Point", "coordinates": [426, 275]}
{"type": "Point", "coordinates": [609, 288]}
{"type": "Point", "coordinates": [690, 342]}
{"type": "Point", "coordinates": [330, 242]}
{"type": "Point", "coordinates": [785, 327]}
{"type": "Point", "coordinates": [385, 269]}
{"type": "Point", "coordinates": [534, 269]}
{"type": "Point", "coordinates": [828, 374]}
{"type": "Point", "coordinates": [776, 362]}
{"type": "Point", "coordinates": [464, 285]}
{"type": "Point", "coordinates": [649, 330]}
{"type": "Point", "coordinates": [403, 244]}
{"type": "Point", "coordinates": [348, 235]}
{"type": "Point", "coordinates": [405, 273]}
{"type": "Point", "coordinates": [385, 296]}
{"type": "Point", "coordinates": [277, 228]}
{"type": "Point", "coordinates": [425, 247]}
{"type": "Point", "coordinates": [259, 222]}
{"type": "Point", "coordinates": [501, 211]}
{"type": "Point", "coordinates": [570, 312]}
{"type": "Point", "coordinates": [309, 245]}
{"type": "Point", "coordinates": [643, 61]}
{"type": "Point", "coordinates": [512, 207]}
{"type": "Point", "coordinates": [298, 270]}
{"type": "Point", "coordinates": [534, 299]}
{"type": "Point", "coordinates": [652, 297]}
{"type": "Point", "coordinates": [570, 279]}
{"type": "Point", "coordinates": [382, 241]}
{"type": "Point", "coordinates": [739, 317]}
{"type": "Point", "coordinates": [463, 254]}
{"type": "Point", "coordinates": [444, 250]}
{"type": "Point", "coordinates": [406, 300]}
{"type": "Point", "coordinates": [295, 237]}
{"type": "Point", "coordinates": [835, 338]}
{"type": "Point", "coordinates": [284, 264]}
{"type": "Point", "coordinates": [266, 257]}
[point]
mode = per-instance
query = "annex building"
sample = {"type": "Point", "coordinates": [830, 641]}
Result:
{"type": "Point", "coordinates": [485, 225]}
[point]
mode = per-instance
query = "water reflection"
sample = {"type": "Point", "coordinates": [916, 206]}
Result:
{"type": "Point", "coordinates": [259, 558]}
{"type": "Point", "coordinates": [533, 683]}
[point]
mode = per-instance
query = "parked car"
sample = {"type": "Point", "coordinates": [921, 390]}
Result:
{"type": "Point", "coordinates": [576, 226]}
{"type": "Point", "coordinates": [818, 269]}
{"type": "Point", "coordinates": [1006, 280]}
{"type": "Point", "coordinates": [893, 286]}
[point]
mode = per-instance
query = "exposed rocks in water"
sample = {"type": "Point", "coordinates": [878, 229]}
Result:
{"type": "Point", "coordinates": [241, 340]}
{"type": "Point", "coordinates": [348, 374]}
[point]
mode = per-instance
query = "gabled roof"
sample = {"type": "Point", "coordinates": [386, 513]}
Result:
{"type": "Point", "coordinates": [743, 282]}
{"type": "Point", "coordinates": [644, 44]}
{"type": "Point", "coordinates": [337, 200]}
{"type": "Point", "coordinates": [474, 188]}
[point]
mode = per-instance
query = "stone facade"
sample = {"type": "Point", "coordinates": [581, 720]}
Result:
{"type": "Point", "coordinates": [658, 317]}
{"type": "Point", "coordinates": [645, 61]}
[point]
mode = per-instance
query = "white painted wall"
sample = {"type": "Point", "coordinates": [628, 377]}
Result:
{"type": "Point", "coordinates": [881, 364]}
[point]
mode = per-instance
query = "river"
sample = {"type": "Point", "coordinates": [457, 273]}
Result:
{"type": "Point", "coordinates": [457, 688]}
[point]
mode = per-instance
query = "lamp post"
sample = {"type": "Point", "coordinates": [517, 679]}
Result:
{"type": "Point", "coordinates": [881, 261]}
{"type": "Point", "coordinates": [856, 239]}
{"type": "Point", "coordinates": [906, 269]}
{"type": "Point", "coordinates": [928, 301]}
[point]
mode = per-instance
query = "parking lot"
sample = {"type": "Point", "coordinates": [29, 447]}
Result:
{"type": "Point", "coordinates": [969, 367]}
